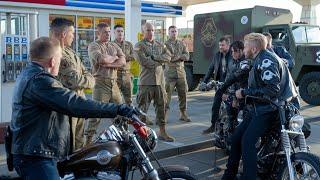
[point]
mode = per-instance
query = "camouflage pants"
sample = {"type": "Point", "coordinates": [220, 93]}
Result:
{"type": "Point", "coordinates": [125, 85]}
{"type": "Point", "coordinates": [156, 93]}
{"type": "Point", "coordinates": [77, 128]}
{"type": "Point", "coordinates": [182, 89]}
{"type": "Point", "coordinates": [104, 91]}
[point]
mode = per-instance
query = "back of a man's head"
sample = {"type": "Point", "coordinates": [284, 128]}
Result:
{"type": "Point", "coordinates": [268, 36]}
{"type": "Point", "coordinates": [60, 25]}
{"type": "Point", "coordinates": [43, 48]}
{"type": "Point", "coordinates": [256, 40]}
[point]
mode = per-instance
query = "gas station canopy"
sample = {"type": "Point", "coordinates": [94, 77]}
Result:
{"type": "Point", "coordinates": [194, 2]}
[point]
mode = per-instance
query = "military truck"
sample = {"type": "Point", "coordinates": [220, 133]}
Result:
{"type": "Point", "coordinates": [300, 39]}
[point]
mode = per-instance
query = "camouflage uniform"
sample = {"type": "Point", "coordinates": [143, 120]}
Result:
{"type": "Point", "coordinates": [124, 76]}
{"type": "Point", "coordinates": [151, 57]}
{"type": "Point", "coordinates": [74, 76]}
{"type": "Point", "coordinates": [106, 88]}
{"type": "Point", "coordinates": [176, 75]}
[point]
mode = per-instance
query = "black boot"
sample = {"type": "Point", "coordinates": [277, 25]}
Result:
{"type": "Point", "coordinates": [209, 130]}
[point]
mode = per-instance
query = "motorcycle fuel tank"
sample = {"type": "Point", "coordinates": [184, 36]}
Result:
{"type": "Point", "coordinates": [97, 156]}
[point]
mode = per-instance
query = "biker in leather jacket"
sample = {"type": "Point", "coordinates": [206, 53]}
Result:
{"type": "Point", "coordinates": [268, 78]}
{"type": "Point", "coordinates": [236, 78]}
{"type": "Point", "coordinates": [41, 105]}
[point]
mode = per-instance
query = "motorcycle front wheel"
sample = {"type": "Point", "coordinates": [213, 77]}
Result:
{"type": "Point", "coordinates": [177, 175]}
{"type": "Point", "coordinates": [305, 166]}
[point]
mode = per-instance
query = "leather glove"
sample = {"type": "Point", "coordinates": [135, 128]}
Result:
{"type": "Point", "coordinates": [202, 86]}
{"type": "Point", "coordinates": [126, 110]}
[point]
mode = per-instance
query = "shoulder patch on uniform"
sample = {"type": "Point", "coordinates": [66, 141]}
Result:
{"type": "Point", "coordinates": [265, 64]}
{"type": "Point", "coordinates": [267, 75]}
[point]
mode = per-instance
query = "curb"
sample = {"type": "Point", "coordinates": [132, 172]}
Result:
{"type": "Point", "coordinates": [162, 154]}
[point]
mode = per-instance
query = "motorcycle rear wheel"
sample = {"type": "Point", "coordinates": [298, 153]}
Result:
{"type": "Point", "coordinates": [299, 160]}
{"type": "Point", "coordinates": [177, 175]}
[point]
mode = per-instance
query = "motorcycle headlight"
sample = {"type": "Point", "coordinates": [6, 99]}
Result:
{"type": "Point", "coordinates": [150, 143]}
{"type": "Point", "coordinates": [296, 122]}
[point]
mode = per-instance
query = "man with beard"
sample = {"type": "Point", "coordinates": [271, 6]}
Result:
{"type": "Point", "coordinates": [234, 66]}
{"type": "Point", "coordinates": [268, 78]}
{"type": "Point", "coordinates": [218, 69]}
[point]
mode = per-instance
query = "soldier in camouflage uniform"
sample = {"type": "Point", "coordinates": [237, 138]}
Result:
{"type": "Point", "coordinates": [175, 73]}
{"type": "Point", "coordinates": [152, 55]}
{"type": "Point", "coordinates": [124, 75]}
{"type": "Point", "coordinates": [72, 73]}
{"type": "Point", "coordinates": [106, 57]}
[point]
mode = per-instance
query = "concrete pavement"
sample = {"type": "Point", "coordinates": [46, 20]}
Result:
{"type": "Point", "coordinates": [188, 135]}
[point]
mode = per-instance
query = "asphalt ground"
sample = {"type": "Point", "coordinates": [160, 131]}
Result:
{"type": "Point", "coordinates": [189, 140]}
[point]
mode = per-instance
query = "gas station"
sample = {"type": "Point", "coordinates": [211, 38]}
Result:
{"type": "Point", "coordinates": [24, 20]}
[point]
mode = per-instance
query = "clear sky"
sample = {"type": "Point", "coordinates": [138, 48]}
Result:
{"type": "Point", "coordinates": [224, 5]}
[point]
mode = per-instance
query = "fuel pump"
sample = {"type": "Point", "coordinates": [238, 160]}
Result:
{"type": "Point", "coordinates": [15, 56]}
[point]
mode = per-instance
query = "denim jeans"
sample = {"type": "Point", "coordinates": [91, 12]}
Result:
{"type": "Point", "coordinates": [256, 123]}
{"type": "Point", "coordinates": [35, 167]}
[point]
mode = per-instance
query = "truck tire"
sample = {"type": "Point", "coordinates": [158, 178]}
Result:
{"type": "Point", "coordinates": [309, 88]}
{"type": "Point", "coordinates": [192, 80]}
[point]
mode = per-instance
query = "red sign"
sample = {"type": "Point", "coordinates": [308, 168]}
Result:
{"type": "Point", "coordinates": [51, 2]}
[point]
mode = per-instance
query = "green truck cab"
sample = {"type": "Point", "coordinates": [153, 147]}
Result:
{"type": "Point", "coordinates": [301, 40]}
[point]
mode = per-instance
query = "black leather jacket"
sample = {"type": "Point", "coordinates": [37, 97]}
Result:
{"type": "Point", "coordinates": [284, 54]}
{"type": "Point", "coordinates": [38, 124]}
{"type": "Point", "coordinates": [215, 69]}
{"type": "Point", "coordinates": [270, 78]}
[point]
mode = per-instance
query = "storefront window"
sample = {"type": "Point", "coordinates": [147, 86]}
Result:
{"type": "Point", "coordinates": [84, 37]}
{"type": "Point", "coordinates": [102, 20]}
{"type": "Point", "coordinates": [84, 22]}
{"type": "Point", "coordinates": [119, 21]}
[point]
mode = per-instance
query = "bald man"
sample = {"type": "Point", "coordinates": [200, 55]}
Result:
{"type": "Point", "coordinates": [152, 55]}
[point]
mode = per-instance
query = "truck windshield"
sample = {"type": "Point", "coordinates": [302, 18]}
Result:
{"type": "Point", "coordinates": [306, 34]}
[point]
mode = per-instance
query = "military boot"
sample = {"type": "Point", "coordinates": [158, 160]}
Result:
{"type": "Point", "coordinates": [164, 136]}
{"type": "Point", "coordinates": [146, 120]}
{"type": "Point", "coordinates": [184, 116]}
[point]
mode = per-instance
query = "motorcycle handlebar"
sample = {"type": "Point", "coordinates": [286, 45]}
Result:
{"type": "Point", "coordinates": [139, 126]}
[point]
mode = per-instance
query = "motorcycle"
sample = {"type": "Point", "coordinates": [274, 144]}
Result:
{"type": "Point", "coordinates": [117, 152]}
{"type": "Point", "coordinates": [283, 152]}
{"type": "Point", "coordinates": [223, 128]}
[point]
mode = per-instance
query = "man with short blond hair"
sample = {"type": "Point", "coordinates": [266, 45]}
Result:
{"type": "Point", "coordinates": [152, 55]}
{"type": "Point", "coordinates": [106, 57]}
{"type": "Point", "coordinates": [269, 78]}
